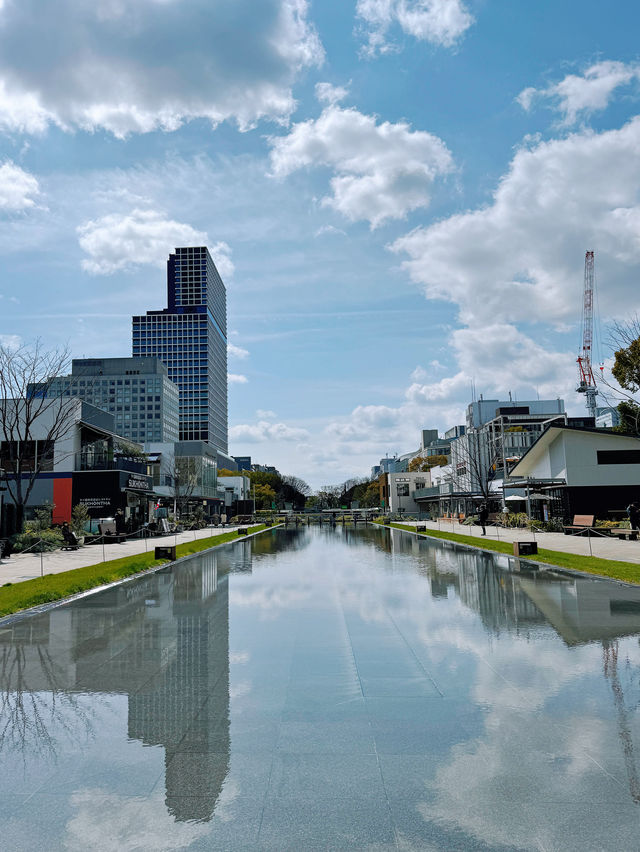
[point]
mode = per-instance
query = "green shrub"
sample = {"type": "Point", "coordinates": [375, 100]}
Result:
{"type": "Point", "coordinates": [34, 541]}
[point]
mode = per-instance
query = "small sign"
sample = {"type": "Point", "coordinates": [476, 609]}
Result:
{"type": "Point", "coordinates": [137, 483]}
{"type": "Point", "coordinates": [95, 502]}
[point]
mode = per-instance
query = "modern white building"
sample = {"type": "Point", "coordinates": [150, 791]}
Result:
{"type": "Point", "coordinates": [582, 471]}
{"type": "Point", "coordinates": [398, 490]}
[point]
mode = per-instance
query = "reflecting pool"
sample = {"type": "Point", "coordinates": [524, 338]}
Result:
{"type": "Point", "coordinates": [326, 689]}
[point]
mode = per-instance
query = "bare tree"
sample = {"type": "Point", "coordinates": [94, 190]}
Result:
{"type": "Point", "coordinates": [298, 484]}
{"type": "Point", "coordinates": [474, 459]}
{"type": "Point", "coordinates": [184, 477]}
{"type": "Point", "coordinates": [32, 420]}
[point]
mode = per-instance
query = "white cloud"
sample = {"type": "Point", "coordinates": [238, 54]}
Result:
{"type": "Point", "coordinates": [234, 351]}
{"type": "Point", "coordinates": [381, 171]}
{"type": "Point", "coordinates": [440, 22]}
{"type": "Point", "coordinates": [328, 94]}
{"type": "Point", "coordinates": [10, 341]}
{"type": "Point", "coordinates": [122, 241]}
{"type": "Point", "coordinates": [221, 254]}
{"type": "Point", "coordinates": [151, 65]}
{"type": "Point", "coordinates": [17, 188]}
{"type": "Point", "coordinates": [520, 258]}
{"type": "Point", "coordinates": [519, 261]}
{"type": "Point", "coordinates": [116, 824]}
{"type": "Point", "coordinates": [365, 422]}
{"type": "Point", "coordinates": [237, 379]}
{"type": "Point", "coordinates": [264, 430]}
{"type": "Point", "coordinates": [263, 414]}
{"type": "Point", "coordinates": [584, 94]}
{"type": "Point", "coordinates": [499, 358]}
{"type": "Point", "coordinates": [330, 229]}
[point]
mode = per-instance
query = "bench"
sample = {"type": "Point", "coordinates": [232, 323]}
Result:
{"type": "Point", "coordinates": [108, 530]}
{"type": "Point", "coordinates": [630, 535]}
{"type": "Point", "coordinates": [582, 523]}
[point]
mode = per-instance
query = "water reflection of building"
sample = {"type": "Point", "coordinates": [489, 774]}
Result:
{"type": "Point", "coordinates": [162, 640]}
{"type": "Point", "coordinates": [494, 594]}
{"type": "Point", "coordinates": [185, 705]}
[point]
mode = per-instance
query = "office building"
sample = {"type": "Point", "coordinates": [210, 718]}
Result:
{"type": "Point", "coordinates": [190, 338]}
{"type": "Point", "coordinates": [136, 391]}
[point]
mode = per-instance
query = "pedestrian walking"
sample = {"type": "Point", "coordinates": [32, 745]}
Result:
{"type": "Point", "coordinates": [633, 511]}
{"type": "Point", "coordinates": [483, 514]}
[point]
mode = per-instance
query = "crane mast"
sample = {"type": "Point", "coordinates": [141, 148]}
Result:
{"type": "Point", "coordinates": [586, 378]}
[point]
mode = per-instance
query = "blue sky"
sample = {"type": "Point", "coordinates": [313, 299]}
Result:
{"type": "Point", "coordinates": [399, 194]}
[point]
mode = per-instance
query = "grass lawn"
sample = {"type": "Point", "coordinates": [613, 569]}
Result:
{"type": "Point", "coordinates": [611, 568]}
{"type": "Point", "coordinates": [54, 587]}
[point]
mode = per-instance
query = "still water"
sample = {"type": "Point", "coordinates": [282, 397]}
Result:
{"type": "Point", "coordinates": [318, 689]}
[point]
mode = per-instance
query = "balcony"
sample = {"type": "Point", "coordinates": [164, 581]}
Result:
{"type": "Point", "coordinates": [100, 461]}
{"type": "Point", "coordinates": [425, 493]}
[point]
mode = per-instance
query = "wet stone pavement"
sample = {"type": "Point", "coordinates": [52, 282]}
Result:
{"type": "Point", "coordinates": [326, 689]}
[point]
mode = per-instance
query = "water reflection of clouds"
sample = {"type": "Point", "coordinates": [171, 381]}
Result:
{"type": "Point", "coordinates": [113, 823]}
{"type": "Point", "coordinates": [270, 600]}
{"type": "Point", "coordinates": [533, 715]}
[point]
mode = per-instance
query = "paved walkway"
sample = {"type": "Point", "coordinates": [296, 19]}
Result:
{"type": "Point", "coordinates": [603, 546]}
{"type": "Point", "coordinates": [26, 566]}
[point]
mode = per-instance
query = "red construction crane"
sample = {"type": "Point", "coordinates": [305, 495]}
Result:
{"type": "Point", "coordinates": [586, 378]}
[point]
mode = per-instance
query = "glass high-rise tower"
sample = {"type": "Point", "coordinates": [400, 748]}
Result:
{"type": "Point", "coordinates": [190, 337]}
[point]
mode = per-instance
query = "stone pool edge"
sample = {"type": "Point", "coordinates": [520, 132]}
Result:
{"type": "Point", "coordinates": [42, 608]}
{"type": "Point", "coordinates": [535, 565]}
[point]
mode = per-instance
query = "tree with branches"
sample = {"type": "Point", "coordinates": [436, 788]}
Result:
{"type": "Point", "coordinates": [473, 463]}
{"type": "Point", "coordinates": [32, 420]}
{"type": "Point", "coordinates": [420, 464]}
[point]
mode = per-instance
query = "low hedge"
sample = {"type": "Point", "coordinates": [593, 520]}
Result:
{"type": "Point", "coordinates": [55, 587]}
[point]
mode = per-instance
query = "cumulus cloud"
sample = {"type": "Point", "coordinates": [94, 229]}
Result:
{"type": "Point", "coordinates": [121, 241]}
{"type": "Point", "coordinates": [264, 430]}
{"type": "Point", "coordinates": [328, 94]}
{"type": "Point", "coordinates": [365, 422]}
{"type": "Point", "coordinates": [237, 379]}
{"type": "Point", "coordinates": [234, 351]}
{"type": "Point", "coordinates": [440, 22]}
{"type": "Point", "coordinates": [498, 358]}
{"type": "Point", "coordinates": [221, 254]}
{"type": "Point", "coordinates": [150, 65]}
{"type": "Point", "coordinates": [520, 258]}
{"type": "Point", "coordinates": [580, 95]}
{"type": "Point", "coordinates": [519, 261]}
{"type": "Point", "coordinates": [17, 188]}
{"type": "Point", "coordinates": [381, 171]}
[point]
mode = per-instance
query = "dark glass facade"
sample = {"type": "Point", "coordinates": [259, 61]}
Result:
{"type": "Point", "coordinates": [190, 337]}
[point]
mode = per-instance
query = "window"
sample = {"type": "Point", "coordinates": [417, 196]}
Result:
{"type": "Point", "coordinates": [618, 456]}
{"type": "Point", "coordinates": [402, 489]}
